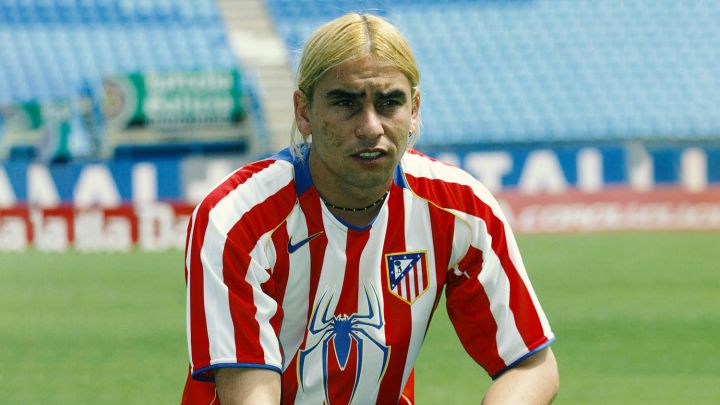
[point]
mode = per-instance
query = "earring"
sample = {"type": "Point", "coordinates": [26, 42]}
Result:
{"type": "Point", "coordinates": [410, 135]}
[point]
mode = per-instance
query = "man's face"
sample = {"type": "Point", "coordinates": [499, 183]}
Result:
{"type": "Point", "coordinates": [359, 119]}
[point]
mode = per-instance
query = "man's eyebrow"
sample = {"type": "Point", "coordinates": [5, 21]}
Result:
{"type": "Point", "coordinates": [340, 93]}
{"type": "Point", "coordinates": [396, 93]}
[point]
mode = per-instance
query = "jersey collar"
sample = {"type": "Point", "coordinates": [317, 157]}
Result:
{"type": "Point", "coordinates": [303, 180]}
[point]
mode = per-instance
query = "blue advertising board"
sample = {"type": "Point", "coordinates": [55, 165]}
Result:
{"type": "Point", "coordinates": [528, 169]}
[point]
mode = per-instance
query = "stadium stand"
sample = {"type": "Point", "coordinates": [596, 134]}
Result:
{"type": "Point", "coordinates": [580, 115]}
{"type": "Point", "coordinates": [494, 72]}
{"type": "Point", "coordinates": [63, 42]}
{"type": "Point", "coordinates": [541, 70]}
{"type": "Point", "coordinates": [254, 39]}
{"type": "Point", "coordinates": [57, 51]}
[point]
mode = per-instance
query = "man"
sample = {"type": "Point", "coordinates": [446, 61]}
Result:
{"type": "Point", "coordinates": [312, 275]}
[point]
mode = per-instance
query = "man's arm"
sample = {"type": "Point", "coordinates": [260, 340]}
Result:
{"type": "Point", "coordinates": [237, 386]}
{"type": "Point", "coordinates": [534, 381]}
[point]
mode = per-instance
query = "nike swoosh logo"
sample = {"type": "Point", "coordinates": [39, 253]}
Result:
{"type": "Point", "coordinates": [292, 248]}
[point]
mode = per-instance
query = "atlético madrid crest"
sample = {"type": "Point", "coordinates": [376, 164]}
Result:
{"type": "Point", "coordinates": [408, 274]}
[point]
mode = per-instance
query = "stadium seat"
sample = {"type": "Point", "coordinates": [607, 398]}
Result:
{"type": "Point", "coordinates": [85, 39]}
{"type": "Point", "coordinates": [547, 70]}
{"type": "Point", "coordinates": [51, 48]}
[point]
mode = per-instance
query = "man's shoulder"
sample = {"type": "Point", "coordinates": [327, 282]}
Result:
{"type": "Point", "coordinates": [444, 184]}
{"type": "Point", "coordinates": [253, 183]}
{"type": "Point", "coordinates": [417, 165]}
{"type": "Point", "coordinates": [258, 196]}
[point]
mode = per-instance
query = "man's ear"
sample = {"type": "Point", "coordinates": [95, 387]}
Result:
{"type": "Point", "coordinates": [415, 118]}
{"type": "Point", "coordinates": [302, 111]}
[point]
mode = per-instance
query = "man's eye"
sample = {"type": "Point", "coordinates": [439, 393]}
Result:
{"type": "Point", "coordinates": [345, 103]}
{"type": "Point", "coordinates": [389, 103]}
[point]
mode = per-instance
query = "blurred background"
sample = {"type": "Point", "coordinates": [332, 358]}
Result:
{"type": "Point", "coordinates": [596, 123]}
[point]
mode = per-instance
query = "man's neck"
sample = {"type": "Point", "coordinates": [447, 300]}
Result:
{"type": "Point", "coordinates": [358, 219]}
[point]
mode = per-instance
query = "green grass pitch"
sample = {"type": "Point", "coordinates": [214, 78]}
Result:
{"type": "Point", "coordinates": [637, 317]}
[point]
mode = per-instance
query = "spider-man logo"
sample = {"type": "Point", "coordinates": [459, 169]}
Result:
{"type": "Point", "coordinates": [344, 342]}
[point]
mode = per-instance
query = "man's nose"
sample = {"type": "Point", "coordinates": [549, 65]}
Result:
{"type": "Point", "coordinates": [369, 124]}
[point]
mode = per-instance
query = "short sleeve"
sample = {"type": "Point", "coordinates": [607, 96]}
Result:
{"type": "Point", "coordinates": [490, 300]}
{"type": "Point", "coordinates": [228, 311]}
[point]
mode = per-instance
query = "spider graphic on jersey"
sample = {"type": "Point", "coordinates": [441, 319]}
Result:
{"type": "Point", "coordinates": [342, 336]}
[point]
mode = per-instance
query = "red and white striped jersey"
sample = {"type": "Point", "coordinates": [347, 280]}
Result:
{"type": "Point", "coordinates": [276, 281]}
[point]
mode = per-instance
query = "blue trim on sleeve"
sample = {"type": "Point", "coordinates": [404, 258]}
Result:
{"type": "Point", "coordinates": [202, 374]}
{"type": "Point", "coordinates": [518, 361]}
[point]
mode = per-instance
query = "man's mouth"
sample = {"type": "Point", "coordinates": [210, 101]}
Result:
{"type": "Point", "coordinates": [369, 155]}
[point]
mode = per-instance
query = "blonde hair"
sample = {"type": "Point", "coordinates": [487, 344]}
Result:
{"type": "Point", "coordinates": [348, 37]}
